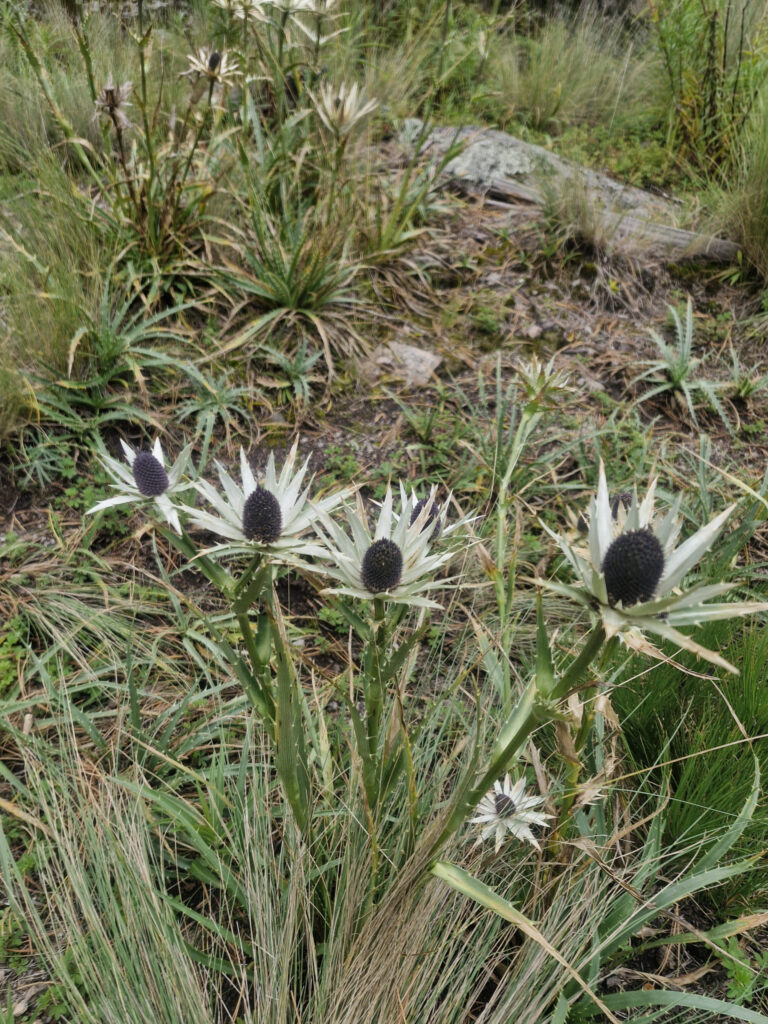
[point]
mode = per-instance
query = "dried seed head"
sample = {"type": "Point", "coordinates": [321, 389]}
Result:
{"type": "Point", "coordinates": [112, 100]}
{"type": "Point", "coordinates": [150, 476]}
{"type": "Point", "coordinates": [262, 518]}
{"type": "Point", "coordinates": [633, 566]}
{"type": "Point", "coordinates": [382, 566]}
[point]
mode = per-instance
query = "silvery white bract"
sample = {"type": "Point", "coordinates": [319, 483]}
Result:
{"type": "Point", "coordinates": [506, 808]}
{"type": "Point", "coordinates": [631, 573]}
{"type": "Point", "coordinates": [436, 512]}
{"type": "Point", "coordinates": [273, 514]}
{"type": "Point", "coordinates": [243, 10]}
{"type": "Point", "coordinates": [209, 64]}
{"type": "Point", "coordinates": [146, 478]}
{"type": "Point", "coordinates": [341, 108]}
{"type": "Point", "coordinates": [393, 563]}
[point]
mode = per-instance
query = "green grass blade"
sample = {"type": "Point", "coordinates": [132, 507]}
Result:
{"type": "Point", "coordinates": [690, 1000]}
{"type": "Point", "coordinates": [474, 889]}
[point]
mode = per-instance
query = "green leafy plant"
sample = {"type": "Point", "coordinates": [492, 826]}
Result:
{"type": "Point", "coordinates": [745, 382]}
{"type": "Point", "coordinates": [299, 275]}
{"type": "Point", "coordinates": [676, 371]}
{"type": "Point", "coordinates": [743, 974]}
{"type": "Point", "coordinates": [216, 400]}
{"type": "Point", "coordinates": [296, 370]}
{"type": "Point", "coordinates": [111, 353]}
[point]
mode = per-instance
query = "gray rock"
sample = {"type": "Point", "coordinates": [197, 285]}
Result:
{"type": "Point", "coordinates": [408, 363]}
{"type": "Point", "coordinates": [621, 217]}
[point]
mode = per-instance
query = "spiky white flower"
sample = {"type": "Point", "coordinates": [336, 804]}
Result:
{"type": "Point", "coordinates": [273, 514]}
{"type": "Point", "coordinates": [631, 573]}
{"type": "Point", "coordinates": [211, 66]}
{"type": "Point", "coordinates": [393, 563]}
{"type": "Point", "coordinates": [506, 808]}
{"type": "Point", "coordinates": [146, 478]}
{"type": "Point", "coordinates": [341, 108]}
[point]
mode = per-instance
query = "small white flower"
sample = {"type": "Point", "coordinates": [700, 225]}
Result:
{"type": "Point", "coordinates": [630, 574]}
{"type": "Point", "coordinates": [273, 514]}
{"type": "Point", "coordinates": [506, 808]}
{"type": "Point", "coordinates": [393, 564]}
{"type": "Point", "coordinates": [146, 478]}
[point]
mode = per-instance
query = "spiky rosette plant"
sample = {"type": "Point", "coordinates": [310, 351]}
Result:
{"type": "Point", "coordinates": [630, 575]}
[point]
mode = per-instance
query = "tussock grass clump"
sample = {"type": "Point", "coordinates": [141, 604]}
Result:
{"type": "Point", "coordinates": [702, 737]}
{"type": "Point", "coordinates": [570, 70]}
{"type": "Point", "coordinates": [739, 203]}
{"type": "Point", "coordinates": [715, 59]}
{"type": "Point", "coordinates": [52, 256]}
{"type": "Point", "coordinates": [29, 125]}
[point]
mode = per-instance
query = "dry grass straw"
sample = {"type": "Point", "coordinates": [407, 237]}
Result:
{"type": "Point", "coordinates": [111, 937]}
{"type": "Point", "coordinates": [101, 920]}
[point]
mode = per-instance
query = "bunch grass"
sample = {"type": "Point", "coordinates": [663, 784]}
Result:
{"type": "Point", "coordinates": [567, 70]}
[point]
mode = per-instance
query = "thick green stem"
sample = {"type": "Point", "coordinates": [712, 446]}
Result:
{"type": "Point", "coordinates": [583, 734]}
{"type": "Point", "coordinates": [374, 696]}
{"type": "Point", "coordinates": [256, 680]}
{"type": "Point", "coordinates": [589, 652]}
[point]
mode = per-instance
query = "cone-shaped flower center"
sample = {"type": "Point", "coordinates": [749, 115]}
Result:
{"type": "Point", "coordinates": [151, 479]}
{"type": "Point", "coordinates": [433, 517]}
{"type": "Point", "coordinates": [262, 518]}
{"type": "Point", "coordinates": [632, 567]}
{"type": "Point", "coordinates": [382, 566]}
{"type": "Point", "coordinates": [504, 804]}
